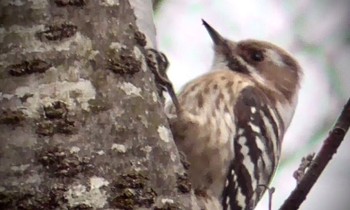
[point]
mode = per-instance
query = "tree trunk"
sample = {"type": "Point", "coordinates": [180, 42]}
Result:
{"type": "Point", "coordinates": [81, 124]}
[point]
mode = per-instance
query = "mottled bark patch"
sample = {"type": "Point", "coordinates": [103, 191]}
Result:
{"type": "Point", "coordinates": [55, 120]}
{"type": "Point", "coordinates": [28, 67]}
{"type": "Point", "coordinates": [82, 206]}
{"type": "Point", "coordinates": [76, 3]}
{"type": "Point", "coordinates": [60, 162]}
{"type": "Point", "coordinates": [56, 110]}
{"type": "Point", "coordinates": [57, 32]}
{"type": "Point", "coordinates": [51, 199]}
{"type": "Point", "coordinates": [168, 206]}
{"type": "Point", "coordinates": [99, 105]}
{"type": "Point", "coordinates": [45, 128]}
{"type": "Point", "coordinates": [132, 190]}
{"type": "Point", "coordinates": [140, 38]}
{"type": "Point", "coordinates": [25, 97]}
{"type": "Point", "coordinates": [123, 62]}
{"type": "Point", "coordinates": [11, 116]}
{"type": "Point", "coordinates": [48, 128]}
{"type": "Point", "coordinates": [183, 183]}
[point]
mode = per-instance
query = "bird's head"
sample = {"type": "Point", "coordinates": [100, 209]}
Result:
{"type": "Point", "coordinates": [271, 67]}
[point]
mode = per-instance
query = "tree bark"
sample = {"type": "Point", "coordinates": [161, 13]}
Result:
{"type": "Point", "coordinates": [81, 124]}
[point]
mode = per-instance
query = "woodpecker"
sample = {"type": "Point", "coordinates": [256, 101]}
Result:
{"type": "Point", "coordinates": [230, 122]}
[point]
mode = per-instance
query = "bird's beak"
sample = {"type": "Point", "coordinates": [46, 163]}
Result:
{"type": "Point", "coordinates": [215, 36]}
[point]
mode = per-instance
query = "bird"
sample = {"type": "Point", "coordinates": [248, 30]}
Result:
{"type": "Point", "coordinates": [229, 123]}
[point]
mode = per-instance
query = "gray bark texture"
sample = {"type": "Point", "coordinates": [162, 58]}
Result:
{"type": "Point", "coordinates": [81, 122]}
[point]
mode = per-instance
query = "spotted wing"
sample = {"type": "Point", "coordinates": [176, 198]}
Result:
{"type": "Point", "coordinates": [259, 130]}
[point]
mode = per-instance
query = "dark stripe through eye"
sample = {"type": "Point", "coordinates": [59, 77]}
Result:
{"type": "Point", "coordinates": [257, 56]}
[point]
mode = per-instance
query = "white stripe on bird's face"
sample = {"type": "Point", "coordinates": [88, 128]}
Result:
{"type": "Point", "coordinates": [275, 57]}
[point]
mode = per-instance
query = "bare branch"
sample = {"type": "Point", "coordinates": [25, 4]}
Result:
{"type": "Point", "coordinates": [326, 153]}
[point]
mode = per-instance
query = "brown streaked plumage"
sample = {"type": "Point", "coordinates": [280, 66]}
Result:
{"type": "Point", "coordinates": [232, 121]}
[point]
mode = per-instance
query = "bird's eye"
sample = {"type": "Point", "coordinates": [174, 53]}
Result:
{"type": "Point", "coordinates": [257, 56]}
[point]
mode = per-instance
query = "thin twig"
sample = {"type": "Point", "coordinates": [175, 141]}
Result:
{"type": "Point", "coordinates": [322, 158]}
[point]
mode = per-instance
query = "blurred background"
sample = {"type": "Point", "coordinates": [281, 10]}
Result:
{"type": "Point", "coordinates": [317, 33]}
